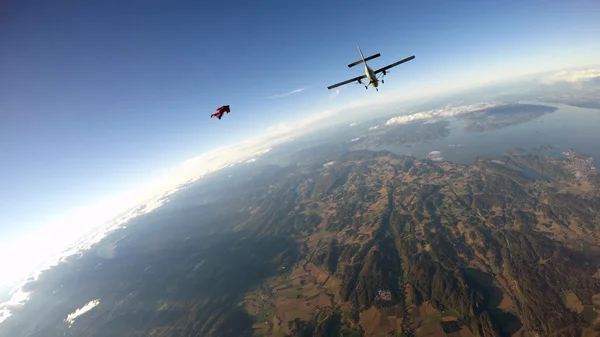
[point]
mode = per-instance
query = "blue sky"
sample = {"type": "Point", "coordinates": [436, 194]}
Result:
{"type": "Point", "coordinates": [96, 98]}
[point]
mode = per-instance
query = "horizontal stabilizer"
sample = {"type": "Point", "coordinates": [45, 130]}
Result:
{"type": "Point", "coordinates": [366, 59]}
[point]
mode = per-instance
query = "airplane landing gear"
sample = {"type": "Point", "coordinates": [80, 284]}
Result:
{"type": "Point", "coordinates": [382, 75]}
{"type": "Point", "coordinates": [366, 87]}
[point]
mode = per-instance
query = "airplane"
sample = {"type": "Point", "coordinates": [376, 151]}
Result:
{"type": "Point", "coordinates": [369, 73]}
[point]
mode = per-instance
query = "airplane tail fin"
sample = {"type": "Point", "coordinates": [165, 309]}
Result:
{"type": "Point", "coordinates": [360, 51]}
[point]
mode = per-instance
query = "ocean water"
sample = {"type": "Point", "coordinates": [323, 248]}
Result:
{"type": "Point", "coordinates": [566, 128]}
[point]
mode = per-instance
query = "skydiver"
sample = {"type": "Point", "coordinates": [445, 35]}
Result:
{"type": "Point", "coordinates": [220, 111]}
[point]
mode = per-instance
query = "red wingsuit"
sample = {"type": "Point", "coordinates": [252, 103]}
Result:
{"type": "Point", "coordinates": [220, 111]}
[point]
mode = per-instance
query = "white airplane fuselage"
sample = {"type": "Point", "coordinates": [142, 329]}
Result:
{"type": "Point", "coordinates": [371, 76]}
{"type": "Point", "coordinates": [368, 71]}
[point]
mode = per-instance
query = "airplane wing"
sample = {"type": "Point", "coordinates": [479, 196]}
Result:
{"type": "Point", "coordinates": [346, 82]}
{"type": "Point", "coordinates": [394, 64]}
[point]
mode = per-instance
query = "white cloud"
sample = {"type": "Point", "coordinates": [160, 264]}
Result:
{"type": "Point", "coordinates": [445, 112]}
{"type": "Point", "coordinates": [571, 76]}
{"type": "Point", "coordinates": [72, 316]}
{"type": "Point", "coordinates": [299, 90]}
{"type": "Point", "coordinates": [18, 298]}
{"type": "Point", "coordinates": [435, 156]}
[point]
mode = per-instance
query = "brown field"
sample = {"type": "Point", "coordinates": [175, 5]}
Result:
{"type": "Point", "coordinates": [377, 322]}
{"type": "Point", "coordinates": [449, 319]}
{"type": "Point", "coordinates": [506, 303]}
{"type": "Point", "coordinates": [408, 295]}
{"type": "Point", "coordinates": [321, 235]}
{"type": "Point", "coordinates": [298, 295]}
{"type": "Point", "coordinates": [596, 299]}
{"type": "Point", "coordinates": [426, 321]}
{"type": "Point", "coordinates": [572, 302]}
{"type": "Point", "coordinates": [257, 304]}
{"type": "Point", "coordinates": [590, 333]}
{"type": "Point", "coordinates": [476, 264]}
{"type": "Point", "coordinates": [317, 273]}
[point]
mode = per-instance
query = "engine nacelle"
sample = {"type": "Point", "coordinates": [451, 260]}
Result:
{"type": "Point", "coordinates": [384, 73]}
{"type": "Point", "coordinates": [359, 81]}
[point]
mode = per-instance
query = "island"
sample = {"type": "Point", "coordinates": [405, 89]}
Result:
{"type": "Point", "coordinates": [586, 98]}
{"type": "Point", "coordinates": [501, 116]}
{"type": "Point", "coordinates": [398, 134]}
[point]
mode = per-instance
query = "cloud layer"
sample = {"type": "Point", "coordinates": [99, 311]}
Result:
{"type": "Point", "coordinates": [571, 76]}
{"type": "Point", "coordinates": [445, 112]}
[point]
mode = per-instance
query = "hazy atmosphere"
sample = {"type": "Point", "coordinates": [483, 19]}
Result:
{"type": "Point", "coordinates": [460, 198]}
